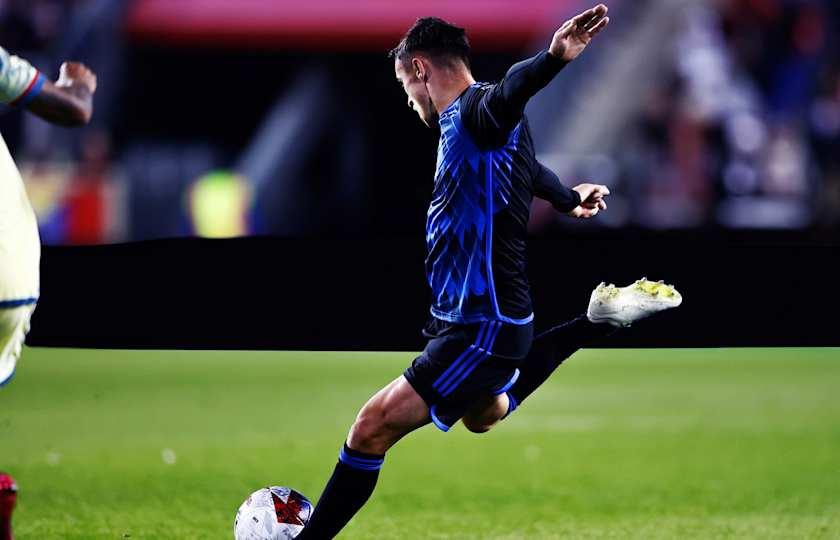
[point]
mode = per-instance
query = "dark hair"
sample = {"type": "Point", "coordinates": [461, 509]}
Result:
{"type": "Point", "coordinates": [436, 37]}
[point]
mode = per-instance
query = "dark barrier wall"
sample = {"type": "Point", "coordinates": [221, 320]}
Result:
{"type": "Point", "coordinates": [274, 293]}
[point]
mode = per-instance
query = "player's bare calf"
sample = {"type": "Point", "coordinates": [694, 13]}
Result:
{"type": "Point", "coordinates": [388, 416]}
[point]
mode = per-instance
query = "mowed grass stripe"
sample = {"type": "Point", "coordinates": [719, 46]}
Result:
{"type": "Point", "coordinates": [721, 443]}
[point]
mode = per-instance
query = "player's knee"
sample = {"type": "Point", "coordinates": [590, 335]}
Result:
{"type": "Point", "coordinates": [365, 433]}
{"type": "Point", "coordinates": [371, 432]}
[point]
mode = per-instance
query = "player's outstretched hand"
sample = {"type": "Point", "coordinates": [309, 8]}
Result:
{"type": "Point", "coordinates": [576, 33]}
{"type": "Point", "coordinates": [591, 200]}
{"type": "Point", "coordinates": [76, 74]}
{"type": "Point", "coordinates": [69, 100]}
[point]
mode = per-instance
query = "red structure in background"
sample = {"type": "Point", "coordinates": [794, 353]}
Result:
{"type": "Point", "coordinates": [87, 201]}
{"type": "Point", "coordinates": [86, 204]}
{"type": "Point", "coordinates": [337, 25]}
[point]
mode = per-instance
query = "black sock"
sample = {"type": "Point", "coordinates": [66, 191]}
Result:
{"type": "Point", "coordinates": [349, 488]}
{"type": "Point", "coordinates": [549, 350]}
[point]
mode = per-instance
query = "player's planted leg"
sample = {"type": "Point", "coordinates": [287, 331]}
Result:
{"type": "Point", "coordinates": [393, 412]}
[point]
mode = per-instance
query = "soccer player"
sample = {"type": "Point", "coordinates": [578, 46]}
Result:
{"type": "Point", "coordinates": [67, 102]}
{"type": "Point", "coordinates": [482, 360]}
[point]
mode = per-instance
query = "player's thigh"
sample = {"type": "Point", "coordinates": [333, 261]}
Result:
{"type": "Point", "coordinates": [391, 413]}
{"type": "Point", "coordinates": [8, 325]}
{"type": "Point", "coordinates": [14, 324]}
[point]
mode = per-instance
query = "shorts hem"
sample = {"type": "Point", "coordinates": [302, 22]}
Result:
{"type": "Point", "coordinates": [507, 385]}
{"type": "Point", "coordinates": [420, 392]}
{"type": "Point", "coordinates": [8, 379]}
{"type": "Point", "coordinates": [437, 421]}
{"type": "Point", "coordinates": [432, 404]}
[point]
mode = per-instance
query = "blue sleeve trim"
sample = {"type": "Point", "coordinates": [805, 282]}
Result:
{"type": "Point", "coordinates": [32, 92]}
{"type": "Point", "coordinates": [10, 304]}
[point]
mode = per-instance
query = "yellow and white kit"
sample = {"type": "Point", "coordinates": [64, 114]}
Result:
{"type": "Point", "coordinates": [20, 247]}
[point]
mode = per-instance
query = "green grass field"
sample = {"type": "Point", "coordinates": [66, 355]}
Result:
{"type": "Point", "coordinates": [731, 443]}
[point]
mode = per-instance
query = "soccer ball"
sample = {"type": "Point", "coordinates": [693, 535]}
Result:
{"type": "Point", "coordinates": [272, 513]}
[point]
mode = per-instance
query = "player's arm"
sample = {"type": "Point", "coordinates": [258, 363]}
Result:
{"type": "Point", "coordinates": [503, 105]}
{"type": "Point", "coordinates": [68, 101]}
{"type": "Point", "coordinates": [583, 201]}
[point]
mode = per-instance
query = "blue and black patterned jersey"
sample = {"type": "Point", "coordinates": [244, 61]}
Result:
{"type": "Point", "coordinates": [486, 177]}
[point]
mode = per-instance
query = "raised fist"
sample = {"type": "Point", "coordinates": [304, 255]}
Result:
{"type": "Point", "coordinates": [78, 75]}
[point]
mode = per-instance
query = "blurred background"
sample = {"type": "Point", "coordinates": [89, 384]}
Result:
{"type": "Point", "coordinates": [219, 119]}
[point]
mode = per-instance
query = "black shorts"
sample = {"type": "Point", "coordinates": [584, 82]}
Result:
{"type": "Point", "coordinates": [463, 363]}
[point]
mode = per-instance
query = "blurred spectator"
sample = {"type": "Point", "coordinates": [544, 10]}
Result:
{"type": "Point", "coordinates": [745, 131]}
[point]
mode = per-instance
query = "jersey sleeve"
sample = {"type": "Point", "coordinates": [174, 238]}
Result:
{"type": "Point", "coordinates": [19, 81]}
{"type": "Point", "coordinates": [493, 111]}
{"type": "Point", "coordinates": [547, 186]}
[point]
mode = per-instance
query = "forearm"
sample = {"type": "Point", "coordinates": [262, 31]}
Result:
{"type": "Point", "coordinates": [547, 186]}
{"type": "Point", "coordinates": [68, 101]}
{"type": "Point", "coordinates": [67, 105]}
{"type": "Point", "coordinates": [524, 79]}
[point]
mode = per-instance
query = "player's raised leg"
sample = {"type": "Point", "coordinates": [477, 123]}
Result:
{"type": "Point", "coordinates": [548, 351]}
{"type": "Point", "coordinates": [610, 308]}
{"type": "Point", "coordinates": [393, 412]}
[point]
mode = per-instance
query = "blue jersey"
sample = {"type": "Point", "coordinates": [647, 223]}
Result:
{"type": "Point", "coordinates": [486, 177]}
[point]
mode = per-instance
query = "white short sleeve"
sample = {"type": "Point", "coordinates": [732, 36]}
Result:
{"type": "Point", "coordinates": [19, 81]}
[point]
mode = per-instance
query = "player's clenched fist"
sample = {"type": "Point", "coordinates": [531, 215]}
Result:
{"type": "Point", "coordinates": [575, 34]}
{"type": "Point", "coordinates": [591, 200]}
{"type": "Point", "coordinates": [76, 74]}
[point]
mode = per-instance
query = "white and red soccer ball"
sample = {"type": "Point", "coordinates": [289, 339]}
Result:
{"type": "Point", "coordinates": [272, 513]}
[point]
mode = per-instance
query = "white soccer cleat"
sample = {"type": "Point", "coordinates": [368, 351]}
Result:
{"type": "Point", "coordinates": [622, 306]}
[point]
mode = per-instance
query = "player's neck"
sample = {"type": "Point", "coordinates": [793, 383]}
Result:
{"type": "Point", "coordinates": [455, 87]}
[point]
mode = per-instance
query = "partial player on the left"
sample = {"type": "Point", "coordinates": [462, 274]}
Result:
{"type": "Point", "coordinates": [67, 102]}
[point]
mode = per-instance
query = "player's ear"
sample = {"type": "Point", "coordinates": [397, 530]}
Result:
{"type": "Point", "coordinates": [419, 69]}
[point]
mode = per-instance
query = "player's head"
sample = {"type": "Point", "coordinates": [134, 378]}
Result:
{"type": "Point", "coordinates": [427, 55]}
